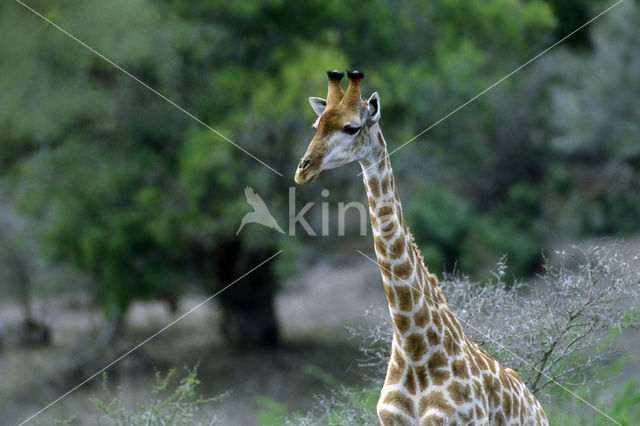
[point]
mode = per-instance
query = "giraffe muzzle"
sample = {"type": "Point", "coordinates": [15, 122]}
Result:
{"type": "Point", "coordinates": [308, 171]}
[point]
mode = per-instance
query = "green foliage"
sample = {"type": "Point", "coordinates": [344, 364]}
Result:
{"type": "Point", "coordinates": [321, 375]}
{"type": "Point", "coordinates": [180, 406]}
{"type": "Point", "coordinates": [450, 233]}
{"type": "Point", "coordinates": [271, 411]}
{"type": "Point", "coordinates": [90, 162]}
{"type": "Point", "coordinates": [439, 220]}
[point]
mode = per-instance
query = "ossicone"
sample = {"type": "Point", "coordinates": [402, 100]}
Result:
{"type": "Point", "coordinates": [355, 75]}
{"type": "Point", "coordinates": [335, 75]}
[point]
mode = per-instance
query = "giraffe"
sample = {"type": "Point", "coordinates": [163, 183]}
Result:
{"type": "Point", "coordinates": [436, 375]}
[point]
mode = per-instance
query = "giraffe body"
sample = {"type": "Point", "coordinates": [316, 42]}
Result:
{"type": "Point", "coordinates": [436, 375]}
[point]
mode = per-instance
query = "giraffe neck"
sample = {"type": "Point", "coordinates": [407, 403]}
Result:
{"type": "Point", "coordinates": [412, 292]}
{"type": "Point", "coordinates": [434, 369]}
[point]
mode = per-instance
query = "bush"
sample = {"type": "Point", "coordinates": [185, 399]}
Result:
{"type": "Point", "coordinates": [182, 406]}
{"type": "Point", "coordinates": [560, 332]}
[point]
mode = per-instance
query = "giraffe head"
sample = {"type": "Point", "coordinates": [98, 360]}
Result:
{"type": "Point", "coordinates": [342, 127]}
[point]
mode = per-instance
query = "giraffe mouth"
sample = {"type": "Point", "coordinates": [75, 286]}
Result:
{"type": "Point", "coordinates": [308, 171]}
{"type": "Point", "coordinates": [303, 177]}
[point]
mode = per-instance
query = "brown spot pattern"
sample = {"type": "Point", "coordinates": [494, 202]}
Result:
{"type": "Point", "coordinates": [506, 403]}
{"type": "Point", "coordinates": [410, 382]}
{"type": "Point", "coordinates": [380, 246]}
{"type": "Point", "coordinates": [391, 296]}
{"type": "Point", "coordinates": [399, 400]}
{"type": "Point", "coordinates": [421, 317]}
{"type": "Point", "coordinates": [480, 361]}
{"type": "Point", "coordinates": [459, 368]}
{"type": "Point", "coordinates": [459, 393]}
{"type": "Point", "coordinates": [415, 346]}
{"type": "Point", "coordinates": [416, 292]}
{"type": "Point", "coordinates": [372, 206]}
{"type": "Point", "coordinates": [492, 387]}
{"type": "Point", "coordinates": [477, 388]}
{"type": "Point", "coordinates": [454, 324]}
{"type": "Point", "coordinates": [394, 374]}
{"type": "Point", "coordinates": [403, 294]}
{"type": "Point", "coordinates": [436, 400]}
{"type": "Point", "coordinates": [432, 337]}
{"type": "Point", "coordinates": [474, 368]}
{"type": "Point", "coordinates": [401, 322]}
{"type": "Point", "coordinates": [423, 380]}
{"type": "Point", "coordinates": [389, 418]}
{"type": "Point", "coordinates": [385, 267]}
{"type": "Point", "coordinates": [450, 345]}
{"type": "Point", "coordinates": [397, 247]}
{"type": "Point", "coordinates": [433, 420]}
{"type": "Point", "coordinates": [436, 364]}
{"type": "Point", "coordinates": [397, 358]}
{"type": "Point", "coordinates": [403, 270]}
{"type": "Point", "coordinates": [385, 212]}
{"type": "Point", "coordinates": [385, 184]}
{"type": "Point", "coordinates": [374, 186]}
{"type": "Point", "coordinates": [435, 317]}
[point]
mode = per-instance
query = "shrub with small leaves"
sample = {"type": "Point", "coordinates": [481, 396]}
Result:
{"type": "Point", "coordinates": [182, 407]}
{"type": "Point", "coordinates": [559, 330]}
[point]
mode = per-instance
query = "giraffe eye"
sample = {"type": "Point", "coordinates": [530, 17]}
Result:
{"type": "Point", "coordinates": [351, 130]}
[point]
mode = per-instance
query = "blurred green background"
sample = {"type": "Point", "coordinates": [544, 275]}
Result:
{"type": "Point", "coordinates": [112, 195]}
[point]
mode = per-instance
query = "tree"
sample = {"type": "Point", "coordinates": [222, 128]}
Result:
{"type": "Point", "coordinates": [595, 132]}
{"type": "Point", "coordinates": [17, 265]}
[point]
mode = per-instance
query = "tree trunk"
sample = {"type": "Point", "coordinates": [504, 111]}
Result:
{"type": "Point", "coordinates": [249, 318]}
{"type": "Point", "coordinates": [33, 333]}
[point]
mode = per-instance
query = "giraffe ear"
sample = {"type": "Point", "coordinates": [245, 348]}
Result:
{"type": "Point", "coordinates": [373, 109]}
{"type": "Point", "coordinates": [318, 105]}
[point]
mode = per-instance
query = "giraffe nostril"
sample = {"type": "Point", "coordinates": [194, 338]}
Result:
{"type": "Point", "coordinates": [303, 164]}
